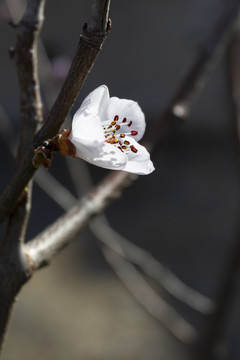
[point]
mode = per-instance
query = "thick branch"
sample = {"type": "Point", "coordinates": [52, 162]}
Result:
{"type": "Point", "coordinates": [14, 266]}
{"type": "Point", "coordinates": [89, 47]}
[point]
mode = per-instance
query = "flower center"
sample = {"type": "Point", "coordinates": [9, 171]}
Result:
{"type": "Point", "coordinates": [114, 136]}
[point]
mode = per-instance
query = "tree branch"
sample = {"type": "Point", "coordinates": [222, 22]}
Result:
{"type": "Point", "coordinates": [89, 47]}
{"type": "Point", "coordinates": [25, 57]}
{"type": "Point", "coordinates": [15, 269]}
{"type": "Point", "coordinates": [60, 233]}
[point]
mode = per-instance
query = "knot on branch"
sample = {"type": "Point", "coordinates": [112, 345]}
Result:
{"type": "Point", "coordinates": [94, 38]}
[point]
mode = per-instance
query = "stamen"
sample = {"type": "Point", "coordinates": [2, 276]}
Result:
{"type": "Point", "coordinates": [112, 141]}
{"type": "Point", "coordinates": [133, 149]}
{"type": "Point", "coordinates": [133, 132]}
{"type": "Point", "coordinates": [113, 137]}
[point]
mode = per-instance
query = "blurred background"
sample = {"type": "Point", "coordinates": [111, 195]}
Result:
{"type": "Point", "coordinates": [185, 213]}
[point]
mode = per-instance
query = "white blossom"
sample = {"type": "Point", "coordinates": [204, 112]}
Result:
{"type": "Point", "coordinates": [106, 131]}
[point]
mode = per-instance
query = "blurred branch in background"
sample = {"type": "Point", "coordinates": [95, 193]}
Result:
{"type": "Point", "coordinates": [148, 298]}
{"type": "Point", "coordinates": [183, 99]}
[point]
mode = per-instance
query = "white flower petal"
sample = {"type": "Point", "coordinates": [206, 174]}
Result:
{"type": "Point", "coordinates": [139, 162]}
{"type": "Point", "coordinates": [97, 98]}
{"type": "Point", "coordinates": [86, 123]}
{"type": "Point", "coordinates": [86, 126]}
{"type": "Point", "coordinates": [100, 154]}
{"type": "Point", "coordinates": [131, 117]}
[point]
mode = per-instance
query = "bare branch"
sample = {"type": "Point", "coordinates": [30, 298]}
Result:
{"type": "Point", "coordinates": [99, 19]}
{"type": "Point", "coordinates": [89, 47]}
{"type": "Point", "coordinates": [14, 265]}
{"type": "Point", "coordinates": [90, 44]}
{"type": "Point", "coordinates": [58, 235]}
{"type": "Point", "coordinates": [25, 57]}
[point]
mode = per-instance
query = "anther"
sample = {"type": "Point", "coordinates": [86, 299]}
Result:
{"type": "Point", "coordinates": [124, 120]}
{"type": "Point", "coordinates": [133, 149]}
{"type": "Point", "coordinates": [126, 142]}
{"type": "Point", "coordinates": [133, 132]}
{"type": "Point", "coordinates": [113, 122]}
{"type": "Point", "coordinates": [130, 123]}
{"type": "Point", "coordinates": [116, 117]}
{"type": "Point", "coordinates": [117, 127]}
{"type": "Point", "coordinates": [122, 135]}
